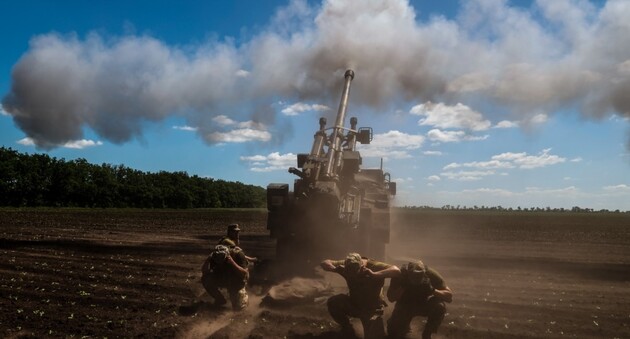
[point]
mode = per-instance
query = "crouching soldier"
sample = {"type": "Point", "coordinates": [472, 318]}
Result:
{"type": "Point", "coordinates": [418, 291]}
{"type": "Point", "coordinates": [365, 279]}
{"type": "Point", "coordinates": [226, 268]}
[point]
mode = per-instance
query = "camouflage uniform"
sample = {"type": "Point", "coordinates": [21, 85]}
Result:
{"type": "Point", "coordinates": [216, 276]}
{"type": "Point", "coordinates": [364, 300]}
{"type": "Point", "coordinates": [414, 302]}
{"type": "Point", "coordinates": [227, 242]}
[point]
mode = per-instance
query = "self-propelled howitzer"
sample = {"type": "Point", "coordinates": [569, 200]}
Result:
{"type": "Point", "coordinates": [336, 206]}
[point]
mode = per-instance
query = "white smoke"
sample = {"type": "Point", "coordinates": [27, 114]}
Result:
{"type": "Point", "coordinates": [556, 54]}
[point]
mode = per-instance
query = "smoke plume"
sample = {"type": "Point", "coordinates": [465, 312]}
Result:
{"type": "Point", "coordinates": [563, 54]}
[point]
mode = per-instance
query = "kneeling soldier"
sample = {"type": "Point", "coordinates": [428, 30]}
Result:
{"type": "Point", "coordinates": [365, 279]}
{"type": "Point", "coordinates": [418, 291]}
{"type": "Point", "coordinates": [226, 268]}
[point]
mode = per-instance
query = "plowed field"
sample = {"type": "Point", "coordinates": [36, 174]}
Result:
{"type": "Point", "coordinates": [135, 273]}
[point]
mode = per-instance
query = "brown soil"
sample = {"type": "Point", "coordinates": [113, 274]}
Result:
{"type": "Point", "coordinates": [133, 273]}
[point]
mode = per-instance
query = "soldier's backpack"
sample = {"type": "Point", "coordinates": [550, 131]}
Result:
{"type": "Point", "coordinates": [219, 254]}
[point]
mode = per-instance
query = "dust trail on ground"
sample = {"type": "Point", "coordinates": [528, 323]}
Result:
{"type": "Point", "coordinates": [240, 323]}
{"type": "Point", "coordinates": [300, 289]}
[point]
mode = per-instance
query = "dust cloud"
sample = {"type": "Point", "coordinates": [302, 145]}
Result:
{"type": "Point", "coordinates": [244, 321]}
{"type": "Point", "coordinates": [282, 296]}
{"type": "Point", "coordinates": [300, 289]}
{"type": "Point", "coordinates": [489, 53]}
{"type": "Point", "coordinates": [435, 238]}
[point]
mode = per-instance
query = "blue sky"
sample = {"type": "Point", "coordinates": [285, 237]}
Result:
{"type": "Point", "coordinates": [511, 103]}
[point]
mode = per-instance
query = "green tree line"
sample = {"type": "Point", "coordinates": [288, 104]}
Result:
{"type": "Point", "coordinates": [41, 180]}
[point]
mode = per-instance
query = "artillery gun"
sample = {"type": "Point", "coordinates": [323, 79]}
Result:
{"type": "Point", "coordinates": [336, 207]}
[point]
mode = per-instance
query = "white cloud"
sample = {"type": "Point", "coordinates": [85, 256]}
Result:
{"type": "Point", "coordinates": [445, 136]}
{"type": "Point", "coordinates": [252, 124]}
{"type": "Point", "coordinates": [2, 111]}
{"type": "Point", "coordinates": [547, 54]}
{"type": "Point", "coordinates": [491, 164]}
{"type": "Point", "coordinates": [223, 120]}
{"type": "Point", "coordinates": [467, 175]}
{"type": "Point", "coordinates": [434, 178]}
{"type": "Point", "coordinates": [185, 128]}
{"type": "Point", "coordinates": [540, 118]}
{"type": "Point", "coordinates": [239, 135]}
{"type": "Point", "coordinates": [452, 136]}
{"type": "Point", "coordinates": [83, 143]}
{"type": "Point", "coordinates": [241, 73]}
{"type": "Point", "coordinates": [618, 188]}
{"type": "Point", "coordinates": [524, 161]}
{"type": "Point", "coordinates": [536, 119]}
{"type": "Point", "coordinates": [506, 160]}
{"type": "Point", "coordinates": [300, 107]}
{"type": "Point", "coordinates": [226, 121]}
{"type": "Point", "coordinates": [26, 142]}
{"type": "Point", "coordinates": [244, 131]}
{"type": "Point", "coordinates": [384, 153]}
{"type": "Point", "coordinates": [616, 118]}
{"type": "Point", "coordinates": [75, 144]}
{"type": "Point", "coordinates": [391, 145]}
{"type": "Point", "coordinates": [272, 162]}
{"type": "Point", "coordinates": [578, 159]}
{"type": "Point", "coordinates": [397, 139]}
{"type": "Point", "coordinates": [506, 124]}
{"type": "Point", "coordinates": [443, 116]}
{"type": "Point", "coordinates": [432, 153]}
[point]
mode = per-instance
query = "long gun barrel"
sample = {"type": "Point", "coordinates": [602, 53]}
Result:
{"type": "Point", "coordinates": [334, 152]}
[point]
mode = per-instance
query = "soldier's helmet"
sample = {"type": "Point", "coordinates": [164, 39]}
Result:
{"type": "Point", "coordinates": [233, 228]}
{"type": "Point", "coordinates": [353, 263]}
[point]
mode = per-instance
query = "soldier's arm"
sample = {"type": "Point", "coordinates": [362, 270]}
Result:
{"type": "Point", "coordinates": [395, 290]}
{"type": "Point", "coordinates": [441, 291]}
{"type": "Point", "coordinates": [444, 294]}
{"type": "Point", "coordinates": [242, 271]}
{"type": "Point", "coordinates": [392, 271]}
{"type": "Point", "coordinates": [327, 265]}
{"type": "Point", "coordinates": [331, 265]}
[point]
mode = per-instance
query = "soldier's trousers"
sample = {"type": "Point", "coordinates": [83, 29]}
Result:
{"type": "Point", "coordinates": [238, 294]}
{"type": "Point", "coordinates": [341, 309]}
{"type": "Point", "coordinates": [398, 324]}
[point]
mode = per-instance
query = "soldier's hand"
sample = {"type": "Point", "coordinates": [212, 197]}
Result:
{"type": "Point", "coordinates": [327, 265]}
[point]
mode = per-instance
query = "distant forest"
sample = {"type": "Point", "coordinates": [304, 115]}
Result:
{"type": "Point", "coordinates": [41, 180]}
